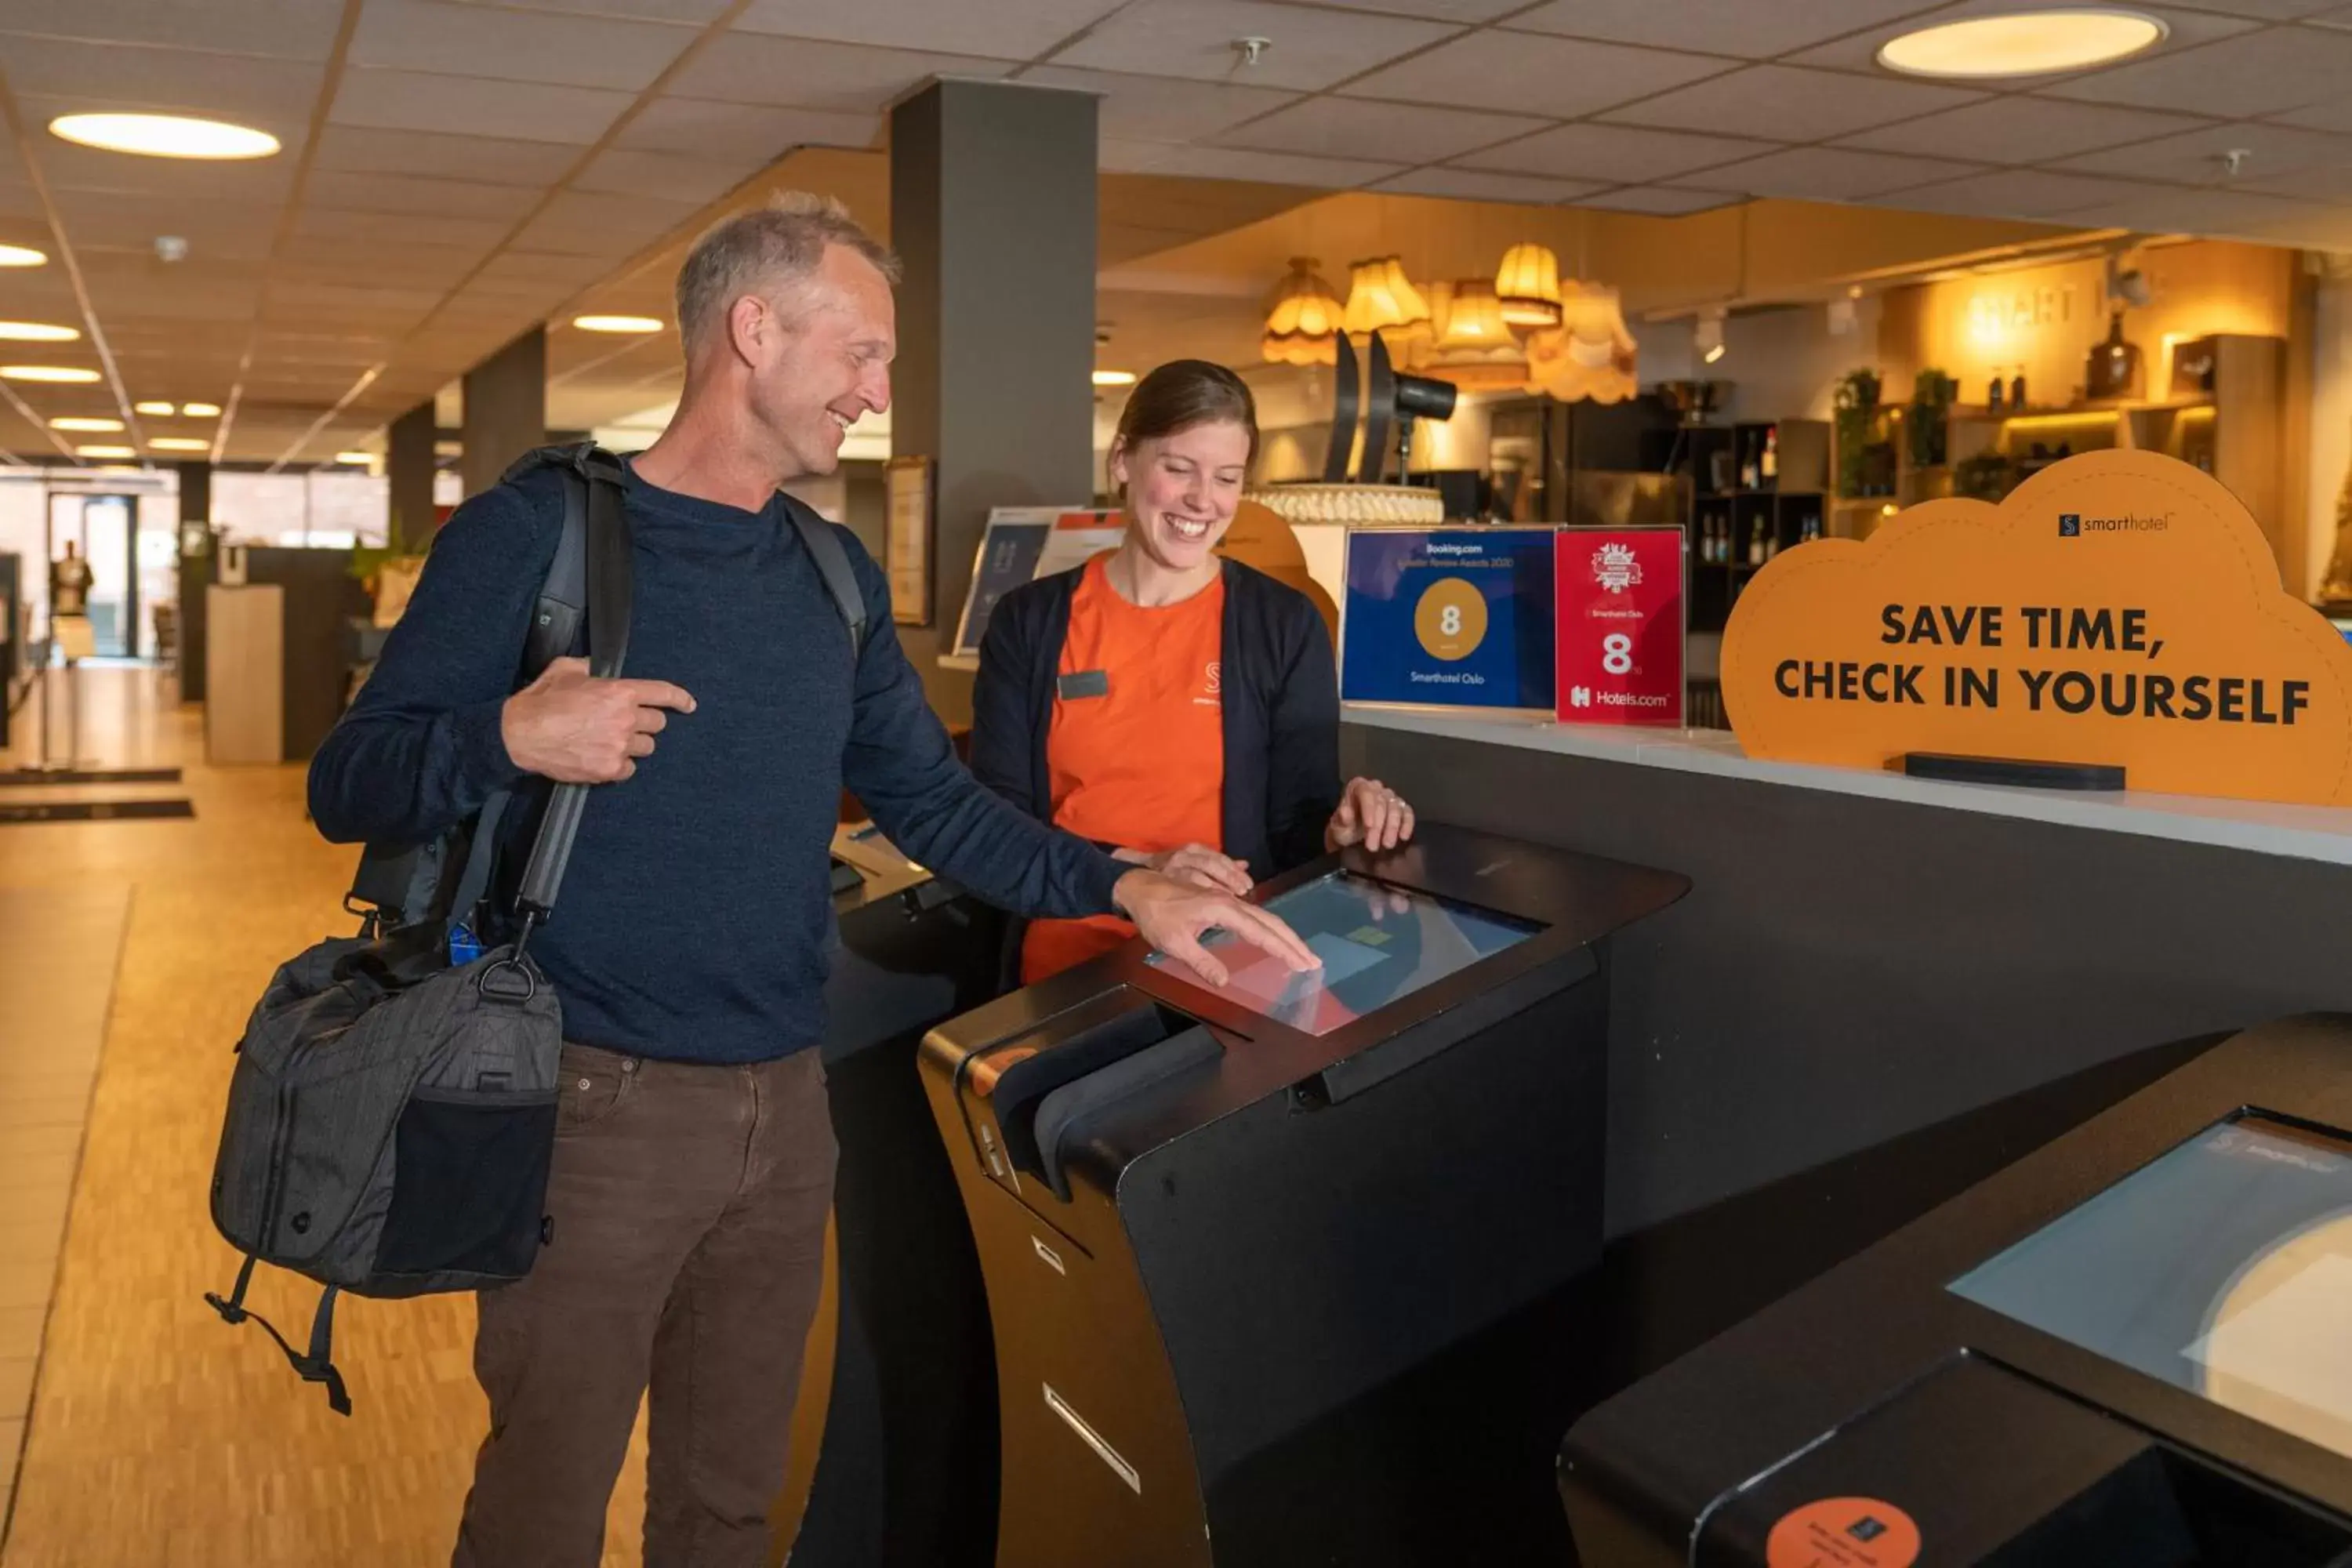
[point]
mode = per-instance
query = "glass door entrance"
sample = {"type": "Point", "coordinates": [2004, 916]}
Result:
{"type": "Point", "coordinates": [102, 529]}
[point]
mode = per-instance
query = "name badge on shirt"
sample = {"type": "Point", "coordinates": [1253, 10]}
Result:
{"type": "Point", "coordinates": [1083, 683]}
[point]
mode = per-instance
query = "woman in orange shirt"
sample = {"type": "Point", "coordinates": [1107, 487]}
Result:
{"type": "Point", "coordinates": [1178, 708]}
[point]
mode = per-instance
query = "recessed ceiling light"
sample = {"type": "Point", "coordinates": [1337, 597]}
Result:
{"type": "Point", "coordinates": [38, 332]}
{"type": "Point", "coordinates": [156, 410]}
{"type": "Point", "coordinates": [61, 373]}
{"type": "Point", "coordinates": [2033, 43]}
{"type": "Point", "coordinates": [165, 135]}
{"type": "Point", "coordinates": [75, 422]}
{"type": "Point", "coordinates": [1114, 378]}
{"type": "Point", "coordinates": [22, 256]}
{"type": "Point", "coordinates": [619, 323]}
{"type": "Point", "coordinates": [201, 410]}
{"type": "Point", "coordinates": [179, 444]}
{"type": "Point", "coordinates": [355, 456]}
{"type": "Point", "coordinates": [104, 452]}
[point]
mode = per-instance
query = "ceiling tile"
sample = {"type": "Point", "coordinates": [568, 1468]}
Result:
{"type": "Point", "coordinates": [2336, 116]}
{"type": "Point", "coordinates": [524, 111]}
{"type": "Point", "coordinates": [1784, 104]}
{"type": "Point", "coordinates": [259, 182]}
{"type": "Point", "coordinates": [1195, 38]}
{"type": "Point", "coordinates": [1828, 173]}
{"type": "Point", "coordinates": [2265, 10]}
{"type": "Point", "coordinates": [398, 230]}
{"type": "Point", "coordinates": [409, 193]}
{"type": "Point", "coordinates": [20, 201]}
{"type": "Point", "coordinates": [2020, 130]}
{"type": "Point", "coordinates": [739, 130]}
{"type": "Point", "coordinates": [1658, 201]}
{"type": "Point", "coordinates": [583, 223]}
{"type": "Point", "coordinates": [283, 29]}
{"type": "Point", "coordinates": [1478, 185]}
{"type": "Point", "coordinates": [1519, 71]}
{"type": "Point", "coordinates": [1752, 29]}
{"type": "Point", "coordinates": [2260, 73]}
{"type": "Point", "coordinates": [483, 159]}
{"type": "Point", "coordinates": [2017, 193]}
{"type": "Point", "coordinates": [561, 271]}
{"type": "Point", "coordinates": [1389, 133]}
{"type": "Point", "coordinates": [998, 29]}
{"type": "Point", "coordinates": [2311, 185]}
{"type": "Point", "coordinates": [677, 176]}
{"type": "Point", "coordinates": [273, 95]}
{"type": "Point", "coordinates": [219, 230]}
{"type": "Point", "coordinates": [747, 68]}
{"type": "Point", "coordinates": [1225, 164]}
{"type": "Point", "coordinates": [694, 11]}
{"type": "Point", "coordinates": [410, 260]}
{"type": "Point", "coordinates": [1614, 152]}
{"type": "Point", "coordinates": [2197, 158]}
{"type": "Point", "coordinates": [516, 46]}
{"type": "Point", "coordinates": [1163, 109]}
{"type": "Point", "coordinates": [1859, 51]}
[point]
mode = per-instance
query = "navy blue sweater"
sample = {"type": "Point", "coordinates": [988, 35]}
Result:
{"type": "Point", "coordinates": [696, 916]}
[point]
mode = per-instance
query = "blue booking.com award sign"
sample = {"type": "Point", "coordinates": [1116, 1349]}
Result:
{"type": "Point", "coordinates": [1458, 618]}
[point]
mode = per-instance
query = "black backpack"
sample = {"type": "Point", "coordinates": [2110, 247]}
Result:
{"type": "Point", "coordinates": [391, 1115]}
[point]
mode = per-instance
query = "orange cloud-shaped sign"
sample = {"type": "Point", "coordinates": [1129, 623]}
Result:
{"type": "Point", "coordinates": [2117, 607]}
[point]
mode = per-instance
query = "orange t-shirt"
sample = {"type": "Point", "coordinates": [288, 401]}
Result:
{"type": "Point", "coordinates": [1142, 764]}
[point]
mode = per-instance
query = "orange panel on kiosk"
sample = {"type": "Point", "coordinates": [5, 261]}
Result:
{"type": "Point", "coordinates": [2118, 607]}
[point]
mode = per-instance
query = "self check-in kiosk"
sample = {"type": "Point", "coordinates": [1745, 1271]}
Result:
{"type": "Point", "coordinates": [1222, 1231]}
{"type": "Point", "coordinates": [896, 1411]}
{"type": "Point", "coordinates": [2133, 1347]}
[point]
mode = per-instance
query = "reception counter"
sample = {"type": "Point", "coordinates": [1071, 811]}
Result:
{"type": "Point", "coordinates": [1880, 990]}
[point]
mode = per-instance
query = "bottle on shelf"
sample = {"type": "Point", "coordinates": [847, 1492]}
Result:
{"type": "Point", "coordinates": [1769, 464]}
{"type": "Point", "coordinates": [1748, 462]}
{"type": "Point", "coordinates": [2017, 390]}
{"type": "Point", "coordinates": [1994, 393]}
{"type": "Point", "coordinates": [1756, 543]}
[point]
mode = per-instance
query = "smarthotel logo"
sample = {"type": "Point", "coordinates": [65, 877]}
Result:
{"type": "Point", "coordinates": [2073, 524]}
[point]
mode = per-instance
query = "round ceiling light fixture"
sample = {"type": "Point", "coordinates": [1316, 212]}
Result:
{"type": "Point", "coordinates": [163, 136]}
{"type": "Point", "coordinates": [634, 325]}
{"type": "Point", "coordinates": [1114, 378]}
{"type": "Point", "coordinates": [153, 410]}
{"type": "Point", "coordinates": [355, 458]}
{"type": "Point", "coordinates": [104, 452]}
{"type": "Point", "coordinates": [38, 332]}
{"type": "Point", "coordinates": [22, 256]}
{"type": "Point", "coordinates": [179, 444]}
{"type": "Point", "coordinates": [93, 427]}
{"type": "Point", "coordinates": [61, 375]}
{"type": "Point", "coordinates": [201, 410]}
{"type": "Point", "coordinates": [2027, 43]}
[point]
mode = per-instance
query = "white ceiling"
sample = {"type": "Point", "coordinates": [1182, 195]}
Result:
{"type": "Point", "coordinates": [456, 170]}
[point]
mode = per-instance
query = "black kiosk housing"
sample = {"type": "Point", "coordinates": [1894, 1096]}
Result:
{"type": "Point", "coordinates": [2129, 1348]}
{"type": "Point", "coordinates": [893, 1431]}
{"type": "Point", "coordinates": [1246, 1275]}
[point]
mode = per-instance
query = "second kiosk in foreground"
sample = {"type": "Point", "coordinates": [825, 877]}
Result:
{"type": "Point", "coordinates": [1228, 1234]}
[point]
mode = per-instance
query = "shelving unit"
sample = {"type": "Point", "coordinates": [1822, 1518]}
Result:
{"type": "Point", "coordinates": [2227, 422]}
{"type": "Point", "coordinates": [1736, 519]}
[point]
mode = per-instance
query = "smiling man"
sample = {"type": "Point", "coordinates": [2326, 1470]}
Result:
{"type": "Point", "coordinates": [694, 1157]}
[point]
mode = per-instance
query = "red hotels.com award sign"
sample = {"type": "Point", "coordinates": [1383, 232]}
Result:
{"type": "Point", "coordinates": [1619, 638]}
{"type": "Point", "coordinates": [2118, 607]}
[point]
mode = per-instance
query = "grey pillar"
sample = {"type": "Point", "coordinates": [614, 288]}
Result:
{"type": "Point", "coordinates": [408, 468]}
{"type": "Point", "coordinates": [993, 210]}
{"type": "Point", "coordinates": [196, 574]}
{"type": "Point", "coordinates": [506, 409]}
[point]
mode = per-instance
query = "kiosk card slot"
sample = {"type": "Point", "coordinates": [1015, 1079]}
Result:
{"type": "Point", "coordinates": [1022, 1088]}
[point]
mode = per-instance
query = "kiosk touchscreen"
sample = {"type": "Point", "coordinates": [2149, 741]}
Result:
{"type": "Point", "coordinates": [2132, 1347]}
{"type": "Point", "coordinates": [896, 1393]}
{"type": "Point", "coordinates": [1249, 1249]}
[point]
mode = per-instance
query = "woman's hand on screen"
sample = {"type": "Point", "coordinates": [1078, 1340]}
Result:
{"type": "Point", "coordinates": [1370, 813]}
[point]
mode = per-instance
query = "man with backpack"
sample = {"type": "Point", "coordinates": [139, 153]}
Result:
{"type": "Point", "coordinates": [693, 1158]}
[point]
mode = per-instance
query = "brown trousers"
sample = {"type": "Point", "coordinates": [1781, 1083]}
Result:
{"type": "Point", "coordinates": [689, 1207]}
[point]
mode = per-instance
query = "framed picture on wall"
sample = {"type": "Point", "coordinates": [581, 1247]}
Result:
{"type": "Point", "coordinates": [907, 542]}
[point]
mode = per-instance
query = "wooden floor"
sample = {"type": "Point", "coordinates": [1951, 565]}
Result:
{"type": "Point", "coordinates": [158, 1435]}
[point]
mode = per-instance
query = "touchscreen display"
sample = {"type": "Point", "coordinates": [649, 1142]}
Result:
{"type": "Point", "coordinates": [2224, 1268]}
{"type": "Point", "coordinates": [1377, 943]}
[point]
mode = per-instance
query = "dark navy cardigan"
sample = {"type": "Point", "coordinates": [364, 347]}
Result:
{"type": "Point", "coordinates": [1281, 712]}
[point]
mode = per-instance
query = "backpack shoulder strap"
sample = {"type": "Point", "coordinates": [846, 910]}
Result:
{"type": "Point", "coordinates": [824, 546]}
{"type": "Point", "coordinates": [610, 585]}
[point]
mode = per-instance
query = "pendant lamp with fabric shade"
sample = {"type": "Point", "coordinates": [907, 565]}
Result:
{"type": "Point", "coordinates": [1380, 298]}
{"type": "Point", "coordinates": [1591, 354]}
{"type": "Point", "coordinates": [1302, 318]}
{"type": "Point", "coordinates": [1477, 350]}
{"type": "Point", "coordinates": [1528, 283]}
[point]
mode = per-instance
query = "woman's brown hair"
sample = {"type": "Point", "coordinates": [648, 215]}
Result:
{"type": "Point", "coordinates": [1181, 393]}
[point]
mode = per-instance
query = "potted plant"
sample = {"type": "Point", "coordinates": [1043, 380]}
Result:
{"type": "Point", "coordinates": [1932, 395]}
